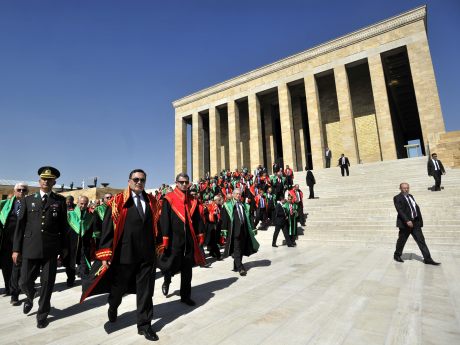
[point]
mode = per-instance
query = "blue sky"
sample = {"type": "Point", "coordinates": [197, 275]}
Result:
{"type": "Point", "coordinates": [87, 86]}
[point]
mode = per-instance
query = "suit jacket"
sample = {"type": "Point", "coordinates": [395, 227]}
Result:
{"type": "Point", "coordinates": [347, 162]}
{"type": "Point", "coordinates": [137, 242]}
{"type": "Point", "coordinates": [41, 229]}
{"type": "Point", "coordinates": [431, 168]}
{"type": "Point", "coordinates": [404, 211]}
{"type": "Point", "coordinates": [280, 215]}
{"type": "Point", "coordinates": [310, 178]}
{"type": "Point", "coordinates": [328, 155]}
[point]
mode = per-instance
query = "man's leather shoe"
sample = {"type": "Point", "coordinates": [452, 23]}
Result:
{"type": "Point", "coordinates": [190, 302]}
{"type": "Point", "coordinates": [70, 282]}
{"type": "Point", "coordinates": [165, 288]}
{"type": "Point", "coordinates": [431, 262]}
{"type": "Point", "coordinates": [112, 314]}
{"type": "Point", "coordinates": [148, 333]}
{"type": "Point", "coordinates": [27, 306]}
{"type": "Point", "coordinates": [42, 323]}
{"type": "Point", "coordinates": [398, 258]}
{"type": "Point", "coordinates": [290, 245]}
{"type": "Point", "coordinates": [243, 272]}
{"type": "Point", "coordinates": [274, 245]}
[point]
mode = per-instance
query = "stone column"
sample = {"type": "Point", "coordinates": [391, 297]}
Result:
{"type": "Point", "coordinates": [234, 136]}
{"type": "Point", "coordinates": [426, 91]}
{"type": "Point", "coordinates": [382, 108]}
{"type": "Point", "coordinates": [298, 134]}
{"type": "Point", "coordinates": [197, 147]}
{"type": "Point", "coordinates": [287, 130]}
{"type": "Point", "coordinates": [214, 141]}
{"type": "Point", "coordinates": [180, 143]}
{"type": "Point", "coordinates": [255, 132]}
{"type": "Point", "coordinates": [269, 136]}
{"type": "Point", "coordinates": [314, 123]}
{"type": "Point", "coordinates": [346, 114]}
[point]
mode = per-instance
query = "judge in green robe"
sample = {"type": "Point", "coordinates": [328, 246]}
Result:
{"type": "Point", "coordinates": [239, 231]}
{"type": "Point", "coordinates": [292, 211]}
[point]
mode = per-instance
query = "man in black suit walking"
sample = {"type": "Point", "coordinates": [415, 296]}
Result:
{"type": "Point", "coordinates": [409, 222]}
{"type": "Point", "coordinates": [435, 169]}
{"type": "Point", "coordinates": [344, 164]}
{"type": "Point", "coordinates": [310, 179]}
{"type": "Point", "coordinates": [328, 156]}
{"type": "Point", "coordinates": [128, 247]}
{"type": "Point", "coordinates": [281, 219]}
{"type": "Point", "coordinates": [38, 239]}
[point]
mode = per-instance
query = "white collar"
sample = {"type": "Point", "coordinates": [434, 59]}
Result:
{"type": "Point", "coordinates": [42, 194]}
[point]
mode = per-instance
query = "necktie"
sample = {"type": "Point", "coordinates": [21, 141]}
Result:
{"type": "Point", "coordinates": [17, 207]}
{"type": "Point", "coordinates": [44, 200]}
{"type": "Point", "coordinates": [436, 166]}
{"type": "Point", "coordinates": [412, 208]}
{"type": "Point", "coordinates": [291, 210]}
{"type": "Point", "coordinates": [262, 202]}
{"type": "Point", "coordinates": [139, 207]}
{"type": "Point", "coordinates": [240, 212]}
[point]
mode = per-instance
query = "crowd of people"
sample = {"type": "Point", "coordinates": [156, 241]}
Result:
{"type": "Point", "coordinates": [108, 242]}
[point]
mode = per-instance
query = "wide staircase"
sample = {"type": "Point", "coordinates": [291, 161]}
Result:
{"type": "Point", "coordinates": [359, 209]}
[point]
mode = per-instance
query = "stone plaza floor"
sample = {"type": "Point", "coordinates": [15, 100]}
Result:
{"type": "Point", "coordinates": [310, 294]}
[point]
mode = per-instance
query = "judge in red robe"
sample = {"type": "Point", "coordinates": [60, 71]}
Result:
{"type": "Point", "coordinates": [183, 232]}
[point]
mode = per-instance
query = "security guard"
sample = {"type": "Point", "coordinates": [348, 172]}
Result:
{"type": "Point", "coordinates": [38, 239]}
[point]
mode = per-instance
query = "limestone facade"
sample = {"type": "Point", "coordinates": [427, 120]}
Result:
{"type": "Point", "coordinates": [365, 94]}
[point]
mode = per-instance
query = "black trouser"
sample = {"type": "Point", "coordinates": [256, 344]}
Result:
{"type": "Point", "coordinates": [285, 233]}
{"type": "Point", "coordinates": [29, 272]}
{"type": "Point", "coordinates": [417, 234]}
{"type": "Point", "coordinates": [15, 290]}
{"type": "Point", "coordinates": [344, 168]}
{"type": "Point", "coordinates": [312, 192]}
{"type": "Point", "coordinates": [437, 179]}
{"type": "Point", "coordinates": [143, 274]}
{"type": "Point", "coordinates": [6, 264]}
{"type": "Point", "coordinates": [184, 264]}
{"type": "Point", "coordinates": [237, 254]}
{"type": "Point", "coordinates": [301, 216]}
{"type": "Point", "coordinates": [213, 241]}
{"type": "Point", "coordinates": [261, 216]}
{"type": "Point", "coordinates": [328, 162]}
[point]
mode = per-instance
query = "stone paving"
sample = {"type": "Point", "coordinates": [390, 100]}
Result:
{"type": "Point", "coordinates": [311, 294]}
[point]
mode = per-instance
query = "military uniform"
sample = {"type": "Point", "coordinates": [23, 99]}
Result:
{"type": "Point", "coordinates": [39, 236]}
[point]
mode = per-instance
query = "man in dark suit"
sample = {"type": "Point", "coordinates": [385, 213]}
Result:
{"type": "Point", "coordinates": [281, 218]}
{"type": "Point", "coordinates": [435, 169]}
{"type": "Point", "coordinates": [9, 211]}
{"type": "Point", "coordinates": [310, 179]}
{"type": "Point", "coordinates": [127, 250]}
{"type": "Point", "coordinates": [409, 222]}
{"type": "Point", "coordinates": [38, 240]}
{"type": "Point", "coordinates": [328, 156]}
{"type": "Point", "coordinates": [344, 164]}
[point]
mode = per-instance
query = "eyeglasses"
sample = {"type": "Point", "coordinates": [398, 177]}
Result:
{"type": "Point", "coordinates": [182, 182]}
{"type": "Point", "coordinates": [137, 179]}
{"type": "Point", "coordinates": [21, 190]}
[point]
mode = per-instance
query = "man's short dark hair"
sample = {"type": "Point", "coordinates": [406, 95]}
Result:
{"type": "Point", "coordinates": [433, 154]}
{"type": "Point", "coordinates": [183, 175]}
{"type": "Point", "coordinates": [137, 171]}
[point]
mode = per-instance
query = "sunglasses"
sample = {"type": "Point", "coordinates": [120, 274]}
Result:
{"type": "Point", "coordinates": [21, 190]}
{"type": "Point", "coordinates": [137, 179]}
{"type": "Point", "coordinates": [182, 182]}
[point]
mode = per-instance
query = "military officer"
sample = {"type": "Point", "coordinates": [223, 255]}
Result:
{"type": "Point", "coordinates": [38, 239]}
